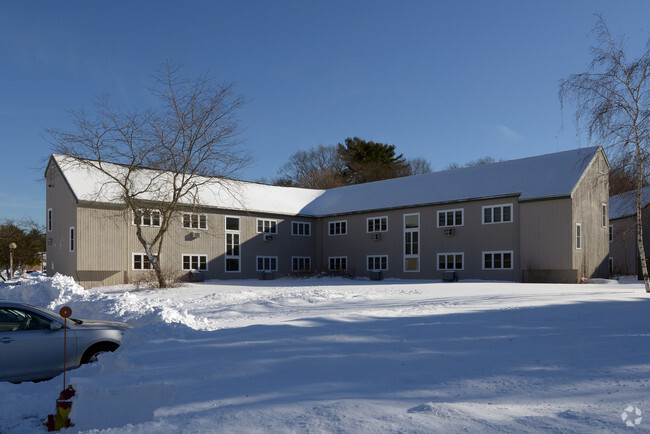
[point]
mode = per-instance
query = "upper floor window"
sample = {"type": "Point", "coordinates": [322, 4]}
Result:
{"type": "Point", "coordinates": [73, 239]}
{"type": "Point", "coordinates": [195, 221]}
{"type": "Point", "coordinates": [338, 227]}
{"type": "Point", "coordinates": [267, 226]}
{"type": "Point", "coordinates": [301, 229]}
{"type": "Point", "coordinates": [497, 214]}
{"type": "Point", "coordinates": [578, 236]}
{"type": "Point", "coordinates": [601, 165]}
{"type": "Point", "coordinates": [195, 262]}
{"type": "Point", "coordinates": [49, 219]}
{"type": "Point", "coordinates": [611, 233]}
{"type": "Point", "coordinates": [147, 217]}
{"type": "Point", "coordinates": [377, 224]}
{"type": "Point", "coordinates": [450, 217]}
{"type": "Point", "coordinates": [603, 208]}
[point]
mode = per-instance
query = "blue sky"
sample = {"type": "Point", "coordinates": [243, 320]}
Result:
{"type": "Point", "coordinates": [448, 81]}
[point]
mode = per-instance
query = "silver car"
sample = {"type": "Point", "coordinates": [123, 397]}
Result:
{"type": "Point", "coordinates": [31, 341]}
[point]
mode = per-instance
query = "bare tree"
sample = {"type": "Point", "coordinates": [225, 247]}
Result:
{"type": "Point", "coordinates": [319, 167]}
{"type": "Point", "coordinates": [165, 154]}
{"type": "Point", "coordinates": [417, 166]}
{"type": "Point", "coordinates": [613, 98]}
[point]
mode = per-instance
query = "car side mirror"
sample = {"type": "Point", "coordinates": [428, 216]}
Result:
{"type": "Point", "coordinates": [55, 325]}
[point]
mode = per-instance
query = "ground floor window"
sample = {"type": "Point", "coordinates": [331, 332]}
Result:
{"type": "Point", "coordinates": [377, 263]}
{"type": "Point", "coordinates": [267, 263]}
{"type": "Point", "coordinates": [451, 261]}
{"type": "Point", "coordinates": [195, 262]}
{"type": "Point", "coordinates": [141, 262]}
{"type": "Point", "coordinates": [497, 260]}
{"type": "Point", "coordinates": [611, 265]}
{"type": "Point", "coordinates": [338, 263]}
{"type": "Point", "coordinates": [300, 263]}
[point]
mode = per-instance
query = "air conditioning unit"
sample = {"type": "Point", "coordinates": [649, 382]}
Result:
{"type": "Point", "coordinates": [375, 237]}
{"type": "Point", "coordinates": [267, 237]}
{"type": "Point", "coordinates": [195, 234]}
{"type": "Point", "coordinates": [448, 231]}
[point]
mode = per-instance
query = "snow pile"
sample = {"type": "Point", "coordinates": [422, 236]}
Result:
{"type": "Point", "coordinates": [336, 355]}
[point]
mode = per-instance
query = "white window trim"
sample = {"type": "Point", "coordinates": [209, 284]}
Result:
{"type": "Point", "coordinates": [300, 257]}
{"type": "Point", "coordinates": [133, 254]}
{"type": "Point", "coordinates": [72, 239]}
{"type": "Point", "coordinates": [406, 230]}
{"type": "Point", "coordinates": [501, 205]}
{"type": "Point", "coordinates": [49, 220]}
{"type": "Point", "coordinates": [603, 211]}
{"type": "Point", "coordinates": [445, 254]}
{"type": "Point", "coordinates": [383, 217]}
{"type": "Point", "coordinates": [199, 221]}
{"type": "Point", "coordinates": [601, 165]}
{"type": "Point", "coordinates": [333, 222]}
{"type": "Point", "coordinates": [502, 252]}
{"type": "Point", "coordinates": [226, 256]}
{"type": "Point", "coordinates": [578, 236]}
{"type": "Point", "coordinates": [610, 265]}
{"type": "Point", "coordinates": [304, 224]}
{"type": "Point", "coordinates": [257, 259]}
{"type": "Point", "coordinates": [329, 262]}
{"type": "Point", "coordinates": [611, 233]}
{"type": "Point", "coordinates": [445, 211]}
{"type": "Point", "coordinates": [190, 255]}
{"type": "Point", "coordinates": [273, 229]}
{"type": "Point", "coordinates": [142, 219]}
{"type": "Point", "coordinates": [376, 256]}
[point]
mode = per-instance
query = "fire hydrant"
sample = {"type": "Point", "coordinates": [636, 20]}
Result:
{"type": "Point", "coordinates": [63, 407]}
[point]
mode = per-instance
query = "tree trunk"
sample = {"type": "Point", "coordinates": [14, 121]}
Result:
{"type": "Point", "coordinates": [639, 222]}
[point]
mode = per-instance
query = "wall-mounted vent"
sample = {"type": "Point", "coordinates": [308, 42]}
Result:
{"type": "Point", "coordinates": [448, 231]}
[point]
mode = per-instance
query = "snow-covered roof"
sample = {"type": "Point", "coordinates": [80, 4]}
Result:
{"type": "Point", "coordinates": [624, 204]}
{"type": "Point", "coordinates": [544, 176]}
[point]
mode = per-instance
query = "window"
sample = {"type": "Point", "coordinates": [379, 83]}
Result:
{"type": "Point", "coordinates": [267, 263]}
{"type": "Point", "coordinates": [411, 242]}
{"type": "Point", "coordinates": [141, 262]}
{"type": "Point", "coordinates": [73, 239]}
{"type": "Point", "coordinates": [195, 262]}
{"type": "Point", "coordinates": [611, 233]}
{"type": "Point", "coordinates": [49, 219]}
{"type": "Point", "coordinates": [578, 236]}
{"type": "Point", "coordinates": [497, 214]}
{"type": "Point", "coordinates": [147, 217]}
{"type": "Point", "coordinates": [611, 266]}
{"type": "Point", "coordinates": [338, 263]}
{"type": "Point", "coordinates": [302, 229]}
{"type": "Point", "coordinates": [603, 208]}
{"type": "Point", "coordinates": [377, 224]}
{"type": "Point", "coordinates": [195, 221]}
{"type": "Point", "coordinates": [601, 165]}
{"type": "Point", "coordinates": [450, 217]}
{"type": "Point", "coordinates": [451, 261]}
{"type": "Point", "coordinates": [377, 263]}
{"type": "Point", "coordinates": [300, 263]}
{"type": "Point", "coordinates": [497, 260]}
{"type": "Point", "coordinates": [232, 245]}
{"type": "Point", "coordinates": [267, 226]}
{"type": "Point", "coordinates": [339, 227]}
{"type": "Point", "coordinates": [17, 320]}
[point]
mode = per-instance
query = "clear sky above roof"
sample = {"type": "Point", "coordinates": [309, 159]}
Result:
{"type": "Point", "coordinates": [448, 81]}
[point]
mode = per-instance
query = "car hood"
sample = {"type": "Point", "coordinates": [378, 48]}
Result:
{"type": "Point", "coordinates": [88, 324]}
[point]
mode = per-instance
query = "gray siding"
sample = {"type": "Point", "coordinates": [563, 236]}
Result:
{"type": "Point", "coordinates": [61, 201]}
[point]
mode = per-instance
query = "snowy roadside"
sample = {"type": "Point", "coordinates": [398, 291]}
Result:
{"type": "Point", "coordinates": [331, 355]}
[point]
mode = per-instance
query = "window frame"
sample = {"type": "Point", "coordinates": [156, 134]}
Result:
{"type": "Point", "coordinates": [578, 240]}
{"type": "Point", "coordinates": [303, 224]}
{"type": "Point", "coordinates": [340, 258]}
{"type": "Point", "coordinates": [303, 258]}
{"type": "Point", "coordinates": [408, 241]}
{"type": "Point", "coordinates": [382, 266]}
{"type": "Point", "coordinates": [191, 221]}
{"type": "Point", "coordinates": [610, 265]}
{"type": "Point", "coordinates": [501, 206]}
{"type": "Point", "coordinates": [272, 227]}
{"type": "Point", "coordinates": [235, 246]}
{"type": "Point", "coordinates": [49, 220]}
{"type": "Point", "coordinates": [151, 219]}
{"type": "Point", "coordinates": [383, 224]}
{"type": "Point", "coordinates": [453, 211]}
{"type": "Point", "coordinates": [604, 221]}
{"type": "Point", "coordinates": [446, 255]}
{"type": "Point", "coordinates": [611, 232]}
{"type": "Point", "coordinates": [273, 260]}
{"type": "Point", "coordinates": [343, 228]}
{"type": "Point", "coordinates": [191, 255]}
{"type": "Point", "coordinates": [142, 261]}
{"type": "Point", "coordinates": [502, 253]}
{"type": "Point", "coordinates": [72, 239]}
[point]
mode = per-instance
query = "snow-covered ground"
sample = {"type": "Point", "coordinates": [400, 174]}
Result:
{"type": "Point", "coordinates": [338, 355]}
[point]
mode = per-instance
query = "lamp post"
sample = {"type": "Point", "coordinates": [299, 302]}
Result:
{"type": "Point", "coordinates": [12, 246]}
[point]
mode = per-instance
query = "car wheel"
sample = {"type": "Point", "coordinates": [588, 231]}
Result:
{"type": "Point", "coordinates": [90, 356]}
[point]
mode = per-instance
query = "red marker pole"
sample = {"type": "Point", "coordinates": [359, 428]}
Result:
{"type": "Point", "coordinates": [65, 312]}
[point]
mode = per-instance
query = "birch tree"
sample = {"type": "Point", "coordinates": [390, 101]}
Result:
{"type": "Point", "coordinates": [613, 106]}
